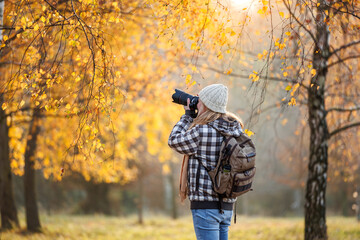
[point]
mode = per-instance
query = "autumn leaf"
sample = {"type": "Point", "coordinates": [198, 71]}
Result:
{"type": "Point", "coordinates": [4, 106]}
{"type": "Point", "coordinates": [292, 102]}
{"type": "Point", "coordinates": [254, 76]}
{"type": "Point", "coordinates": [188, 79]}
{"type": "Point", "coordinates": [313, 72]}
{"type": "Point", "coordinates": [248, 132]}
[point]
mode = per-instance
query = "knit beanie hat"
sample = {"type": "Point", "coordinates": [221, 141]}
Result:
{"type": "Point", "coordinates": [215, 97]}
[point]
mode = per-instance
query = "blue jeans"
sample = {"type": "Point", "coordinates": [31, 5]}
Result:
{"type": "Point", "coordinates": [210, 224]}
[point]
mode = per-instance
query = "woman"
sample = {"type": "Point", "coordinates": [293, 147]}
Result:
{"type": "Point", "coordinates": [201, 139]}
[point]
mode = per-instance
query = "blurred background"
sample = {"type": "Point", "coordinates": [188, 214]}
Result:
{"type": "Point", "coordinates": [86, 107]}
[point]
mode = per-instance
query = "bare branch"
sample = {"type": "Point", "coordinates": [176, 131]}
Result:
{"type": "Point", "coordinates": [338, 109]}
{"type": "Point", "coordinates": [262, 77]}
{"type": "Point", "coordinates": [356, 124]}
{"type": "Point", "coordinates": [344, 47]}
{"type": "Point", "coordinates": [297, 20]}
{"type": "Point", "coordinates": [341, 60]}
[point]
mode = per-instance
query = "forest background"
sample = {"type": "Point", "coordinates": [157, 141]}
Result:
{"type": "Point", "coordinates": [86, 104]}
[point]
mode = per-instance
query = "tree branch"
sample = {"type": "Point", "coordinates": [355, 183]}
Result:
{"type": "Point", "coordinates": [344, 47]}
{"type": "Point", "coordinates": [343, 109]}
{"type": "Point", "coordinates": [262, 77]}
{"type": "Point", "coordinates": [300, 24]}
{"type": "Point", "coordinates": [341, 60]}
{"type": "Point", "coordinates": [356, 124]}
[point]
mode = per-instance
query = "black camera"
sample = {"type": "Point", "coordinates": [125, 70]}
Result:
{"type": "Point", "coordinates": [181, 97]}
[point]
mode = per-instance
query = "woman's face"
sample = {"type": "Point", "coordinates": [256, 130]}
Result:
{"type": "Point", "coordinates": [201, 107]}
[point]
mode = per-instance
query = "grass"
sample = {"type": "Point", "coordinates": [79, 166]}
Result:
{"type": "Point", "coordinates": [161, 228]}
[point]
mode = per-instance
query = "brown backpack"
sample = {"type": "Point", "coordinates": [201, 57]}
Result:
{"type": "Point", "coordinates": [235, 170]}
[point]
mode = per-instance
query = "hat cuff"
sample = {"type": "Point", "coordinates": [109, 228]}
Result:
{"type": "Point", "coordinates": [212, 106]}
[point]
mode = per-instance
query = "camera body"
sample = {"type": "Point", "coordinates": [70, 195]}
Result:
{"type": "Point", "coordinates": [181, 97]}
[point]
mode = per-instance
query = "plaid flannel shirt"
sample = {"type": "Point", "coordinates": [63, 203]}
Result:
{"type": "Point", "coordinates": [203, 143]}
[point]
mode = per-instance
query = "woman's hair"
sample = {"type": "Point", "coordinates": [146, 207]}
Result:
{"type": "Point", "coordinates": [210, 116]}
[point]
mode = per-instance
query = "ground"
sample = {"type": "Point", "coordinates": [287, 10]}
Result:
{"type": "Point", "coordinates": [162, 227]}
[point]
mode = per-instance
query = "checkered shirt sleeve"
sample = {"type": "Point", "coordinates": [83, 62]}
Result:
{"type": "Point", "coordinates": [183, 141]}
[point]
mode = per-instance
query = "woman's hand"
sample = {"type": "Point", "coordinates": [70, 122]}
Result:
{"type": "Point", "coordinates": [188, 103]}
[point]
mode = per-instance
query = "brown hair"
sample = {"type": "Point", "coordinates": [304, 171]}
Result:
{"type": "Point", "coordinates": [210, 116]}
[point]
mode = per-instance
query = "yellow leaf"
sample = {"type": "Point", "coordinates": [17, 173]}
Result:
{"type": "Point", "coordinates": [259, 56]}
{"type": "Point", "coordinates": [295, 88]}
{"type": "Point", "coordinates": [292, 102]}
{"type": "Point", "coordinates": [68, 106]}
{"type": "Point", "coordinates": [4, 106]}
{"type": "Point", "coordinates": [248, 132]}
{"type": "Point", "coordinates": [194, 46]}
{"type": "Point", "coordinates": [220, 56]}
{"type": "Point", "coordinates": [288, 88]}
{"type": "Point", "coordinates": [22, 103]}
{"type": "Point", "coordinates": [288, 33]}
{"type": "Point", "coordinates": [5, 37]}
{"type": "Point", "coordinates": [285, 74]}
{"type": "Point", "coordinates": [36, 27]}
{"type": "Point", "coordinates": [188, 79]}
{"type": "Point", "coordinates": [302, 70]}
{"type": "Point", "coordinates": [43, 19]}
{"type": "Point", "coordinates": [313, 72]}
{"type": "Point", "coordinates": [281, 14]}
{"type": "Point", "coordinates": [229, 71]}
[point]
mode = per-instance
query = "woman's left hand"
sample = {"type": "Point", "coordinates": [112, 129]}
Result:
{"type": "Point", "coordinates": [188, 103]}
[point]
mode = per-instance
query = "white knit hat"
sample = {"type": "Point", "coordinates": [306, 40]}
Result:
{"type": "Point", "coordinates": [215, 97]}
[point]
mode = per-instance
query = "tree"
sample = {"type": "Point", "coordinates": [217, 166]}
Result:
{"type": "Point", "coordinates": [7, 203]}
{"type": "Point", "coordinates": [31, 209]}
{"type": "Point", "coordinates": [64, 66]}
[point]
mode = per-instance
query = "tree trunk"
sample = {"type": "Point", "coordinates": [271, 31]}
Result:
{"type": "Point", "coordinates": [358, 204]}
{"type": "Point", "coordinates": [7, 203]}
{"type": "Point", "coordinates": [140, 200]}
{"type": "Point", "coordinates": [315, 204]}
{"type": "Point", "coordinates": [97, 200]}
{"type": "Point", "coordinates": [31, 209]}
